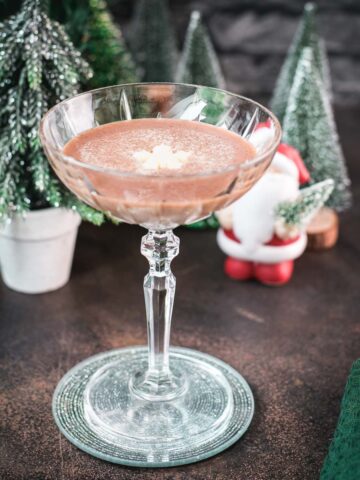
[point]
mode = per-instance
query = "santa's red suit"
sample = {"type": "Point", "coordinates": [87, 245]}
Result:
{"type": "Point", "coordinates": [256, 246]}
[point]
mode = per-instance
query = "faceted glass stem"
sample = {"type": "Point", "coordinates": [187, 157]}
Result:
{"type": "Point", "coordinates": [159, 382]}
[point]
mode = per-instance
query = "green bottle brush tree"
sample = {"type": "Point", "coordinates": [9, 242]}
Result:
{"type": "Point", "coordinates": [306, 36]}
{"type": "Point", "coordinates": [310, 127]}
{"type": "Point", "coordinates": [153, 41]}
{"type": "Point", "coordinates": [39, 66]}
{"type": "Point", "coordinates": [199, 65]}
{"type": "Point", "coordinates": [99, 39]}
{"type": "Point", "coordinates": [104, 48]}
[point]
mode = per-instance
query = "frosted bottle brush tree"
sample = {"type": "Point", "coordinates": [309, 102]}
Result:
{"type": "Point", "coordinates": [91, 27]}
{"type": "Point", "coordinates": [306, 36]}
{"type": "Point", "coordinates": [153, 41]}
{"type": "Point", "coordinates": [39, 66]}
{"type": "Point", "coordinates": [199, 64]}
{"type": "Point", "coordinates": [309, 126]}
{"type": "Point", "coordinates": [296, 213]}
{"type": "Point", "coordinates": [103, 46]}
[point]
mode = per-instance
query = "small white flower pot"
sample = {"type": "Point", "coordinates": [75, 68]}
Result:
{"type": "Point", "coordinates": [36, 252]}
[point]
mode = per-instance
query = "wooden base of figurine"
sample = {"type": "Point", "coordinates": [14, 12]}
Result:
{"type": "Point", "coordinates": [323, 230]}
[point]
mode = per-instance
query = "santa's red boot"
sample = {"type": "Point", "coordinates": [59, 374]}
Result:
{"type": "Point", "coordinates": [274, 274]}
{"type": "Point", "coordinates": [238, 269]}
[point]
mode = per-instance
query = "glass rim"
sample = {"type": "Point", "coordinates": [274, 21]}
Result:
{"type": "Point", "coordinates": [117, 172]}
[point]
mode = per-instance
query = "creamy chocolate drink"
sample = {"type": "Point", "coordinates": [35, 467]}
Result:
{"type": "Point", "coordinates": [158, 172]}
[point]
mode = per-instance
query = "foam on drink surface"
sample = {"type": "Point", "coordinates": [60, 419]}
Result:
{"type": "Point", "coordinates": [159, 146]}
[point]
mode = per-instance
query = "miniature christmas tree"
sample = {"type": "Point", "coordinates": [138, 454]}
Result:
{"type": "Point", "coordinates": [309, 126]}
{"type": "Point", "coordinates": [306, 36]}
{"type": "Point", "coordinates": [104, 48]}
{"type": "Point", "coordinates": [153, 41]}
{"type": "Point", "coordinates": [294, 215]}
{"type": "Point", "coordinates": [199, 64]}
{"type": "Point", "coordinates": [93, 31]}
{"type": "Point", "coordinates": [38, 67]}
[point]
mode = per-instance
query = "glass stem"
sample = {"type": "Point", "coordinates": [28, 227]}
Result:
{"type": "Point", "coordinates": [159, 382]}
{"type": "Point", "coordinates": [159, 290]}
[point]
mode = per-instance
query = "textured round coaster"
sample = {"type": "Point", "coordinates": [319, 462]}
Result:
{"type": "Point", "coordinates": [74, 423]}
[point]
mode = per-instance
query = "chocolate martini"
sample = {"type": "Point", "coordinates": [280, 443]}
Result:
{"type": "Point", "coordinates": [156, 406]}
{"type": "Point", "coordinates": [171, 171]}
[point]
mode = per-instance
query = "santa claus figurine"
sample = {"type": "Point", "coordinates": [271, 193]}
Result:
{"type": "Point", "coordinates": [264, 231]}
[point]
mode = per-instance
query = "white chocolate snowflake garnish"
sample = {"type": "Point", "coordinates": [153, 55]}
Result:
{"type": "Point", "coordinates": [162, 157]}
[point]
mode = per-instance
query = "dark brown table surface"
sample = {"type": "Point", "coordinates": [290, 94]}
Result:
{"type": "Point", "coordinates": [294, 344]}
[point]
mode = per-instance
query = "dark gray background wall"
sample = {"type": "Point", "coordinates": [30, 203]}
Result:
{"type": "Point", "coordinates": [252, 37]}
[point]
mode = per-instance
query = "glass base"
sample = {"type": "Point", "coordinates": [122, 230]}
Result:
{"type": "Point", "coordinates": [95, 407]}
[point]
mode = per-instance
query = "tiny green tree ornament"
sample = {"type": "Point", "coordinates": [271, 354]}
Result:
{"type": "Point", "coordinates": [309, 126]}
{"type": "Point", "coordinates": [306, 36]}
{"type": "Point", "coordinates": [39, 66]}
{"type": "Point", "coordinates": [153, 41]}
{"type": "Point", "coordinates": [293, 216]}
{"type": "Point", "coordinates": [199, 64]}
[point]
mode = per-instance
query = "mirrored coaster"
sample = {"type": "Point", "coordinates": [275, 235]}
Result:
{"type": "Point", "coordinates": [96, 407]}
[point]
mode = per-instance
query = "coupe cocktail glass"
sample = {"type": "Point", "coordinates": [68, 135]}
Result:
{"type": "Point", "coordinates": [156, 406]}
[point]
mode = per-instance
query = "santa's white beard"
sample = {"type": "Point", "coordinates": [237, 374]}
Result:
{"type": "Point", "coordinates": [253, 214]}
